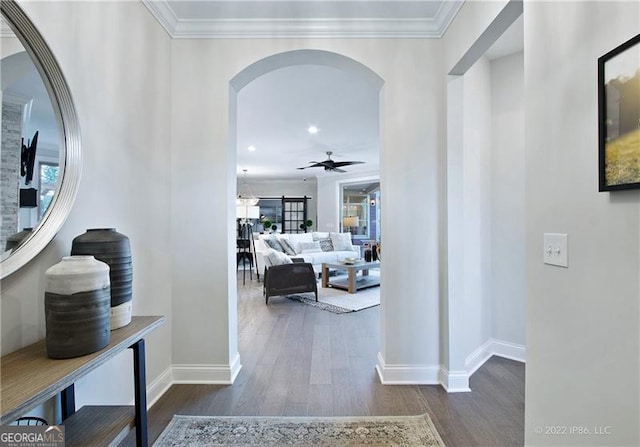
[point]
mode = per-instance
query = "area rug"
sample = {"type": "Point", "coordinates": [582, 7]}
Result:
{"type": "Point", "coordinates": [339, 301]}
{"type": "Point", "coordinates": [299, 431]}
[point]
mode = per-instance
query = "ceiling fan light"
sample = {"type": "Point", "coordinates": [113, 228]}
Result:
{"type": "Point", "coordinates": [247, 201]}
{"type": "Point", "coordinates": [245, 198]}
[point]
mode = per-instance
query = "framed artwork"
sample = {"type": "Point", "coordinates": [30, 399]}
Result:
{"type": "Point", "coordinates": [619, 117]}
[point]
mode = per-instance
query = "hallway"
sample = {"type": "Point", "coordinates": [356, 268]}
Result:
{"type": "Point", "coordinates": [301, 361]}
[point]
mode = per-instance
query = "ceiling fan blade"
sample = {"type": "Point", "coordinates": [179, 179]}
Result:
{"type": "Point", "coordinates": [331, 165]}
{"type": "Point", "coordinates": [314, 165]}
{"type": "Point", "coordinates": [347, 163]}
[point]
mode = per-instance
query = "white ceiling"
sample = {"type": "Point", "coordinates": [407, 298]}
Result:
{"type": "Point", "coordinates": [275, 110]}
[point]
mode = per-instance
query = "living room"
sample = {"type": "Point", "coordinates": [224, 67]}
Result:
{"type": "Point", "coordinates": [159, 164]}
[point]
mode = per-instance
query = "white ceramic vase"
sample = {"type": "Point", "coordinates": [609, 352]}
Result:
{"type": "Point", "coordinates": [77, 307]}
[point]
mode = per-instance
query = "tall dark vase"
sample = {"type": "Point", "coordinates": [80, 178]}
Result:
{"type": "Point", "coordinates": [112, 248]}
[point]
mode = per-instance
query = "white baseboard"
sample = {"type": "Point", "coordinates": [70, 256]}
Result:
{"type": "Point", "coordinates": [511, 351]}
{"type": "Point", "coordinates": [454, 381]}
{"type": "Point", "coordinates": [235, 367]}
{"type": "Point", "coordinates": [508, 350]}
{"type": "Point", "coordinates": [451, 381]}
{"type": "Point", "coordinates": [406, 374]}
{"type": "Point", "coordinates": [159, 386]}
{"type": "Point", "coordinates": [479, 357]}
{"type": "Point", "coordinates": [193, 374]}
{"type": "Point", "coordinates": [458, 381]}
{"type": "Point", "coordinates": [207, 374]}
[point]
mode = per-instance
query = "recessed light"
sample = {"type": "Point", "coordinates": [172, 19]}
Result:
{"type": "Point", "coordinates": [312, 130]}
{"type": "Point", "coordinates": [251, 148]}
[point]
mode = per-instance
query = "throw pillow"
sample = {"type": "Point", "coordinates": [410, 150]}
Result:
{"type": "Point", "coordinates": [288, 248]}
{"type": "Point", "coordinates": [341, 241]}
{"type": "Point", "coordinates": [310, 247]}
{"type": "Point", "coordinates": [326, 244]}
{"type": "Point", "coordinates": [274, 243]}
{"type": "Point", "coordinates": [296, 238]}
{"type": "Point", "coordinates": [274, 257]}
{"type": "Point", "coordinates": [318, 235]}
{"type": "Point", "coordinates": [324, 239]}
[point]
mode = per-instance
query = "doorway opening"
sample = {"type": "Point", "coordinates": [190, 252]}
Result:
{"type": "Point", "coordinates": [285, 138]}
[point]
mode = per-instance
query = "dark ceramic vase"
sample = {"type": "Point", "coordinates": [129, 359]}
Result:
{"type": "Point", "coordinates": [77, 307]}
{"type": "Point", "coordinates": [112, 248]}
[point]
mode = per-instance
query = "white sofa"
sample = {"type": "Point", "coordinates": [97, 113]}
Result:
{"type": "Point", "coordinates": [315, 248]}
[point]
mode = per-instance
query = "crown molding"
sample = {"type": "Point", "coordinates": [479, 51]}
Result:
{"type": "Point", "coordinates": [265, 28]}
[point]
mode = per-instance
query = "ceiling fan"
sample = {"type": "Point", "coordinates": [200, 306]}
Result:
{"type": "Point", "coordinates": [331, 165]}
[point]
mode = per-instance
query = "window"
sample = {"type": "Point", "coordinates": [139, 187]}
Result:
{"type": "Point", "coordinates": [294, 214]}
{"type": "Point", "coordinates": [360, 213]}
{"type": "Point", "coordinates": [48, 180]}
{"type": "Point", "coordinates": [270, 210]}
{"type": "Point", "coordinates": [287, 213]}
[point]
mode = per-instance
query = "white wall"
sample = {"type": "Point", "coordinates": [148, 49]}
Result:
{"type": "Point", "coordinates": [411, 118]}
{"type": "Point", "coordinates": [469, 220]}
{"type": "Point", "coordinates": [116, 60]}
{"type": "Point", "coordinates": [466, 261]}
{"type": "Point", "coordinates": [483, 195]}
{"type": "Point", "coordinates": [476, 197]}
{"type": "Point", "coordinates": [582, 321]}
{"type": "Point", "coordinates": [507, 200]}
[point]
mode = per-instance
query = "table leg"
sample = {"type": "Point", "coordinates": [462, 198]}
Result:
{"type": "Point", "coordinates": [325, 275]}
{"type": "Point", "coordinates": [352, 281]}
{"type": "Point", "coordinates": [140, 393]}
{"type": "Point", "coordinates": [68, 401]}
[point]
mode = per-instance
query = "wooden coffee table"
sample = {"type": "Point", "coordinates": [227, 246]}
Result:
{"type": "Point", "coordinates": [353, 283]}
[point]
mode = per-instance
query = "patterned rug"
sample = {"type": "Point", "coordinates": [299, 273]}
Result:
{"type": "Point", "coordinates": [340, 301]}
{"type": "Point", "coordinates": [300, 431]}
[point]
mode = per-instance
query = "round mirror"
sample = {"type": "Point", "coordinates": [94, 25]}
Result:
{"type": "Point", "coordinates": [40, 142]}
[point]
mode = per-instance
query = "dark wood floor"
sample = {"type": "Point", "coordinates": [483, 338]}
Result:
{"type": "Point", "coordinates": [301, 361]}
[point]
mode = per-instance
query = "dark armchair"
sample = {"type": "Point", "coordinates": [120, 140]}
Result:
{"type": "Point", "coordinates": [289, 279]}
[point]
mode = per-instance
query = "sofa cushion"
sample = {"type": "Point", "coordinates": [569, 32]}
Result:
{"type": "Point", "coordinates": [273, 257]}
{"type": "Point", "coordinates": [341, 241]}
{"type": "Point", "coordinates": [310, 247]}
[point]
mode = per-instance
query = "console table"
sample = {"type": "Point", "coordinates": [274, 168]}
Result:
{"type": "Point", "coordinates": [29, 378]}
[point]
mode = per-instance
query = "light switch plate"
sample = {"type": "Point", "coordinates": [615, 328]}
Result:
{"type": "Point", "coordinates": [556, 249]}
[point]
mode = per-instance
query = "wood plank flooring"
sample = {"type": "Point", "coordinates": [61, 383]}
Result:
{"type": "Point", "coordinates": [301, 361]}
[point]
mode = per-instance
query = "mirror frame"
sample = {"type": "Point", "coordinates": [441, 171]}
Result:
{"type": "Point", "coordinates": [71, 157]}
